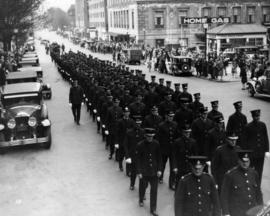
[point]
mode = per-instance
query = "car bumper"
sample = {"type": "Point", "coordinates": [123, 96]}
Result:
{"type": "Point", "coordinates": [39, 140]}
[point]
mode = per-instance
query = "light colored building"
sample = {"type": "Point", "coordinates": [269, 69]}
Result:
{"type": "Point", "coordinates": [159, 22]}
{"type": "Point", "coordinates": [81, 16]}
{"type": "Point", "coordinates": [98, 21]}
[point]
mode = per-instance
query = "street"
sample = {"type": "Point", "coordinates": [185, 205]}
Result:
{"type": "Point", "coordinates": [75, 177]}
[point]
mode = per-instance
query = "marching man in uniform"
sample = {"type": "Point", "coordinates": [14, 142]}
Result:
{"type": "Point", "coordinates": [197, 192]}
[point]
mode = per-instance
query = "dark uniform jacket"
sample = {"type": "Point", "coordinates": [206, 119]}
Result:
{"type": "Point", "coordinates": [185, 95]}
{"type": "Point", "coordinates": [152, 121]}
{"type": "Point", "coordinates": [215, 138]}
{"type": "Point", "coordinates": [224, 159]}
{"type": "Point", "coordinates": [132, 138]}
{"type": "Point", "coordinates": [166, 105]}
{"type": "Point", "coordinates": [256, 138]}
{"type": "Point", "coordinates": [137, 108]}
{"type": "Point", "coordinates": [213, 113]}
{"type": "Point", "coordinates": [151, 99]}
{"type": "Point", "coordinates": [114, 113]}
{"type": "Point", "coordinates": [240, 191]}
{"type": "Point", "coordinates": [236, 124]}
{"type": "Point", "coordinates": [175, 96]}
{"type": "Point", "coordinates": [183, 147]}
{"type": "Point", "coordinates": [149, 160]}
{"type": "Point", "coordinates": [122, 126]}
{"type": "Point", "coordinates": [182, 117]}
{"type": "Point", "coordinates": [197, 196]}
{"type": "Point", "coordinates": [166, 134]}
{"type": "Point", "coordinates": [195, 107]}
{"type": "Point", "coordinates": [200, 131]}
{"type": "Point", "coordinates": [76, 95]}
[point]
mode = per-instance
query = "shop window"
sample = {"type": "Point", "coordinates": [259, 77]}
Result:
{"type": "Point", "coordinates": [221, 12]}
{"type": "Point", "coordinates": [182, 14]}
{"type": "Point", "coordinates": [159, 19]}
{"type": "Point", "coordinates": [236, 15]}
{"type": "Point", "coordinates": [266, 14]}
{"type": "Point", "coordinates": [251, 14]}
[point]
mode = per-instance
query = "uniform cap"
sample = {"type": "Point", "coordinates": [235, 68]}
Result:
{"type": "Point", "coordinates": [255, 112]}
{"type": "Point", "coordinates": [197, 95]}
{"type": "Point", "coordinates": [244, 154]}
{"type": "Point", "coordinates": [184, 85]}
{"type": "Point", "coordinates": [237, 104]}
{"type": "Point", "coordinates": [154, 108]}
{"type": "Point", "coordinates": [170, 113]}
{"type": "Point", "coordinates": [197, 161]}
{"type": "Point", "coordinates": [116, 100]}
{"type": "Point", "coordinates": [153, 77]}
{"type": "Point", "coordinates": [214, 103]}
{"type": "Point", "coordinates": [137, 118]}
{"type": "Point", "coordinates": [232, 136]}
{"type": "Point", "coordinates": [168, 93]}
{"type": "Point", "coordinates": [176, 84]}
{"type": "Point", "coordinates": [161, 79]}
{"type": "Point", "coordinates": [203, 109]}
{"type": "Point", "coordinates": [186, 127]}
{"type": "Point", "coordinates": [150, 131]}
{"type": "Point", "coordinates": [184, 100]}
{"type": "Point", "coordinates": [168, 82]}
{"type": "Point", "coordinates": [218, 119]}
{"type": "Point", "coordinates": [126, 109]}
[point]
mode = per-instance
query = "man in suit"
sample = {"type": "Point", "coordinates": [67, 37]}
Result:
{"type": "Point", "coordinates": [149, 166]}
{"type": "Point", "coordinates": [76, 99]}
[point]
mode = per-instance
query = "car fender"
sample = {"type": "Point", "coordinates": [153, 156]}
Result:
{"type": "Point", "coordinates": [44, 111]}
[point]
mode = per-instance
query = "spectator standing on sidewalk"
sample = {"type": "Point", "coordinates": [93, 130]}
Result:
{"type": "Point", "coordinates": [243, 73]}
{"type": "Point", "coordinates": [3, 73]}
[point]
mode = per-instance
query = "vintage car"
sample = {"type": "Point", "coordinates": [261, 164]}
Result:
{"type": "Point", "coordinates": [179, 65]}
{"type": "Point", "coordinates": [37, 69]}
{"type": "Point", "coordinates": [24, 116]}
{"type": "Point", "coordinates": [260, 85]}
{"type": "Point", "coordinates": [30, 55]}
{"type": "Point", "coordinates": [34, 61]}
{"type": "Point", "coordinates": [29, 76]}
{"type": "Point", "coordinates": [132, 56]}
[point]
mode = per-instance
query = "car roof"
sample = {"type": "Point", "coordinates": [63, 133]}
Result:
{"type": "Point", "coordinates": [22, 88]}
{"type": "Point", "coordinates": [22, 74]}
{"type": "Point", "coordinates": [181, 57]}
{"type": "Point", "coordinates": [30, 68]}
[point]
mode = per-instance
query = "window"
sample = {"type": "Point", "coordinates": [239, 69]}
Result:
{"type": "Point", "coordinates": [266, 14]}
{"type": "Point", "coordinates": [132, 19]}
{"type": "Point", "coordinates": [236, 14]}
{"type": "Point", "coordinates": [251, 14]}
{"type": "Point", "coordinates": [159, 19]}
{"type": "Point", "coordinates": [206, 12]}
{"type": "Point", "coordinates": [111, 19]}
{"type": "Point", "coordinates": [221, 12]}
{"type": "Point", "coordinates": [182, 14]}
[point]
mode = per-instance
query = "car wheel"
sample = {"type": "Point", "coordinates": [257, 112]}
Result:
{"type": "Point", "coordinates": [48, 144]}
{"type": "Point", "coordinates": [251, 90]}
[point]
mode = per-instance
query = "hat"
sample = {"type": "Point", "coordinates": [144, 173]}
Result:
{"type": "Point", "coordinates": [116, 99]}
{"type": "Point", "coordinates": [149, 131]}
{"type": "Point", "coordinates": [126, 109]}
{"type": "Point", "coordinates": [154, 108]}
{"type": "Point", "coordinates": [244, 154]}
{"type": "Point", "coordinates": [176, 84]}
{"type": "Point", "coordinates": [197, 161]}
{"type": "Point", "coordinates": [203, 109]}
{"type": "Point", "coordinates": [218, 119]}
{"type": "Point", "coordinates": [137, 118]}
{"type": "Point", "coordinates": [197, 95]}
{"type": "Point", "coordinates": [143, 75]}
{"type": "Point", "coordinates": [186, 128]}
{"type": "Point", "coordinates": [170, 113]}
{"type": "Point", "coordinates": [153, 77]}
{"type": "Point", "coordinates": [184, 100]}
{"type": "Point", "coordinates": [214, 103]}
{"type": "Point", "coordinates": [168, 82]}
{"type": "Point", "coordinates": [161, 79]}
{"type": "Point", "coordinates": [184, 85]}
{"type": "Point", "coordinates": [232, 136]}
{"type": "Point", "coordinates": [237, 104]}
{"type": "Point", "coordinates": [255, 112]}
{"type": "Point", "coordinates": [168, 93]}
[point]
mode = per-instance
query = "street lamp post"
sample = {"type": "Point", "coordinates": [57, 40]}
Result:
{"type": "Point", "coordinates": [144, 36]}
{"type": "Point", "coordinates": [16, 43]}
{"type": "Point", "coordinates": [205, 26]}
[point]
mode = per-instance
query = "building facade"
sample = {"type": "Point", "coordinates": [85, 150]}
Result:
{"type": "Point", "coordinates": [98, 20]}
{"type": "Point", "coordinates": [159, 22]}
{"type": "Point", "coordinates": [81, 16]}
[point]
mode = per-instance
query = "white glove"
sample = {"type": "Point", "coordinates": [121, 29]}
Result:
{"type": "Point", "coordinates": [69, 104]}
{"type": "Point", "coordinates": [208, 163]}
{"type": "Point", "coordinates": [103, 126]}
{"type": "Point", "coordinates": [95, 111]}
{"type": "Point", "coordinates": [116, 146]}
{"type": "Point", "coordinates": [84, 95]}
{"type": "Point", "coordinates": [175, 170]}
{"type": "Point", "coordinates": [86, 99]}
{"type": "Point", "coordinates": [106, 132]}
{"type": "Point", "coordinates": [98, 118]}
{"type": "Point", "coordinates": [128, 161]}
{"type": "Point", "coordinates": [267, 154]}
{"type": "Point", "coordinates": [90, 104]}
{"type": "Point", "coordinates": [82, 103]}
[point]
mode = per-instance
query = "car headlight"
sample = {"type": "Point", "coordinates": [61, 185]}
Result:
{"type": "Point", "coordinates": [11, 124]}
{"type": "Point", "coordinates": [46, 123]}
{"type": "Point", "coordinates": [32, 122]}
{"type": "Point", "coordinates": [2, 127]}
{"type": "Point", "coordinates": [48, 86]}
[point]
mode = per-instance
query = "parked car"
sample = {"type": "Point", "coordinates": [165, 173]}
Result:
{"type": "Point", "coordinates": [29, 76]}
{"type": "Point", "coordinates": [29, 61]}
{"type": "Point", "coordinates": [260, 85]}
{"type": "Point", "coordinates": [24, 116]}
{"type": "Point", "coordinates": [179, 65]}
{"type": "Point", "coordinates": [37, 69]}
{"type": "Point", "coordinates": [133, 56]}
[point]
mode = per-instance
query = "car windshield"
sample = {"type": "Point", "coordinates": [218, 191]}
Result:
{"type": "Point", "coordinates": [21, 100]}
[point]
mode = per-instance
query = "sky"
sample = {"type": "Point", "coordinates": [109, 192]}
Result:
{"type": "Point", "coordinates": [63, 4]}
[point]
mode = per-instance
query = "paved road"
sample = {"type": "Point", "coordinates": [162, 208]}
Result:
{"type": "Point", "coordinates": [75, 177]}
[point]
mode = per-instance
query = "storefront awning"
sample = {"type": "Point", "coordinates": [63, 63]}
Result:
{"type": "Point", "coordinates": [228, 29]}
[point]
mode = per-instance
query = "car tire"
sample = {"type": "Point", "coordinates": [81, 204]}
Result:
{"type": "Point", "coordinates": [48, 144]}
{"type": "Point", "coordinates": [251, 90]}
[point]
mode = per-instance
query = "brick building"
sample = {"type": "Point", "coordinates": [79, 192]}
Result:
{"type": "Point", "coordinates": [158, 22]}
{"type": "Point", "coordinates": [81, 16]}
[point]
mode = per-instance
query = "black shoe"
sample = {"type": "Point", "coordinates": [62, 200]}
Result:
{"type": "Point", "coordinates": [141, 204]}
{"type": "Point", "coordinates": [121, 169]}
{"type": "Point", "coordinates": [131, 188]}
{"type": "Point", "coordinates": [110, 157]}
{"type": "Point", "coordinates": [160, 181]}
{"type": "Point", "coordinates": [154, 213]}
{"type": "Point", "coordinates": [78, 123]}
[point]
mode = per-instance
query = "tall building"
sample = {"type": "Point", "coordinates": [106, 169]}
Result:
{"type": "Point", "coordinates": [160, 22]}
{"type": "Point", "coordinates": [71, 15]}
{"type": "Point", "coordinates": [81, 16]}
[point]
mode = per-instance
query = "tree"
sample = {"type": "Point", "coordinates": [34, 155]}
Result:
{"type": "Point", "coordinates": [57, 18]}
{"type": "Point", "coordinates": [16, 14]}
